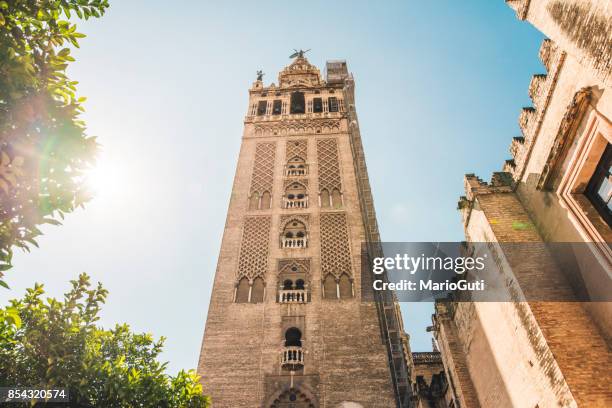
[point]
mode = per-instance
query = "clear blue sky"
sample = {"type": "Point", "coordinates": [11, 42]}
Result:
{"type": "Point", "coordinates": [439, 88]}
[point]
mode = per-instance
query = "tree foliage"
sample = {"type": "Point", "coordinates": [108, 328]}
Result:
{"type": "Point", "coordinates": [50, 343]}
{"type": "Point", "coordinates": [44, 148]}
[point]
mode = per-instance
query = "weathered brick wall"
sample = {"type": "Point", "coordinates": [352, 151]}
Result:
{"type": "Point", "coordinates": [567, 349]}
{"type": "Point", "coordinates": [500, 356]}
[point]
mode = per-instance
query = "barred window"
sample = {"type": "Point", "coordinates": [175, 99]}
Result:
{"type": "Point", "coordinates": [277, 107]}
{"type": "Point", "coordinates": [333, 104]}
{"type": "Point", "coordinates": [298, 104]}
{"type": "Point", "coordinates": [261, 108]}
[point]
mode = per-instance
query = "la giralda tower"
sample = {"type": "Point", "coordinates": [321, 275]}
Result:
{"type": "Point", "coordinates": [289, 324]}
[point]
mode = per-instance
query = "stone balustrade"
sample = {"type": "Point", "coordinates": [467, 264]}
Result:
{"type": "Point", "coordinates": [292, 357]}
{"type": "Point", "coordinates": [300, 242]}
{"type": "Point", "coordinates": [295, 202]}
{"type": "Point", "coordinates": [292, 296]}
{"type": "Point", "coordinates": [296, 171]}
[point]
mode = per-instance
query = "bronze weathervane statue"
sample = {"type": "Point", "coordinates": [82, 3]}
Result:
{"type": "Point", "coordinates": [299, 54]}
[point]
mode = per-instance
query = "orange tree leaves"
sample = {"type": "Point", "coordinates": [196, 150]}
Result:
{"type": "Point", "coordinates": [56, 343]}
{"type": "Point", "coordinates": [44, 148]}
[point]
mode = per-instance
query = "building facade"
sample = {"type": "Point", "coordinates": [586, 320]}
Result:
{"type": "Point", "coordinates": [557, 187]}
{"type": "Point", "coordinates": [288, 323]}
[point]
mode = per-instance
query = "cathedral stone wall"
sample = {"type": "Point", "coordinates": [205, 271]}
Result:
{"type": "Point", "coordinates": [545, 352]}
{"type": "Point", "coordinates": [547, 210]}
{"type": "Point", "coordinates": [542, 353]}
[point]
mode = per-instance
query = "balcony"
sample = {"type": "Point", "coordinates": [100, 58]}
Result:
{"type": "Point", "coordinates": [292, 296]}
{"type": "Point", "coordinates": [292, 357]}
{"type": "Point", "coordinates": [296, 171]}
{"type": "Point", "coordinates": [295, 202]}
{"type": "Point", "coordinates": [299, 242]}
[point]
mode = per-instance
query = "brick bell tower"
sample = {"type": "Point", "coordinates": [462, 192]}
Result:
{"type": "Point", "coordinates": [288, 324]}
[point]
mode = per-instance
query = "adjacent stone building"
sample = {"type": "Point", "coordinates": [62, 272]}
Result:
{"type": "Point", "coordinates": [288, 323]}
{"type": "Point", "coordinates": [557, 187]}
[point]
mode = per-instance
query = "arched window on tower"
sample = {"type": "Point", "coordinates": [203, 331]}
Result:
{"type": "Point", "coordinates": [298, 103]}
{"type": "Point", "coordinates": [265, 200]}
{"type": "Point", "coordinates": [336, 198]}
{"type": "Point", "coordinates": [254, 201]}
{"type": "Point", "coordinates": [295, 196]}
{"type": "Point", "coordinates": [325, 198]}
{"type": "Point", "coordinates": [330, 290]}
{"type": "Point", "coordinates": [257, 291]}
{"type": "Point", "coordinates": [242, 291]}
{"type": "Point", "coordinates": [296, 166]}
{"type": "Point", "coordinates": [345, 287]}
{"type": "Point", "coordinates": [294, 235]}
{"type": "Point", "coordinates": [293, 355]}
{"type": "Point", "coordinates": [293, 337]}
{"type": "Point", "coordinates": [293, 287]}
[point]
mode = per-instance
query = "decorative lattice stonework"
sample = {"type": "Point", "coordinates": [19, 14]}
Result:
{"type": "Point", "coordinates": [329, 166]}
{"type": "Point", "coordinates": [263, 168]}
{"type": "Point", "coordinates": [296, 148]}
{"type": "Point", "coordinates": [335, 248]}
{"type": "Point", "coordinates": [297, 127]}
{"type": "Point", "coordinates": [254, 248]}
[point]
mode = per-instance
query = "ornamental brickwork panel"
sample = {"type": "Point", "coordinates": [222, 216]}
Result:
{"type": "Point", "coordinates": [329, 166]}
{"type": "Point", "coordinates": [254, 248]}
{"type": "Point", "coordinates": [297, 127]}
{"type": "Point", "coordinates": [263, 168]}
{"type": "Point", "coordinates": [335, 248]}
{"type": "Point", "coordinates": [296, 148]}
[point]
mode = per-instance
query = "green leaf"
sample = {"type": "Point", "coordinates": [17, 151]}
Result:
{"type": "Point", "coordinates": [13, 316]}
{"type": "Point", "coordinates": [51, 221]}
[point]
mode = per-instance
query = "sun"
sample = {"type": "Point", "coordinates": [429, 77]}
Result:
{"type": "Point", "coordinates": [105, 179]}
